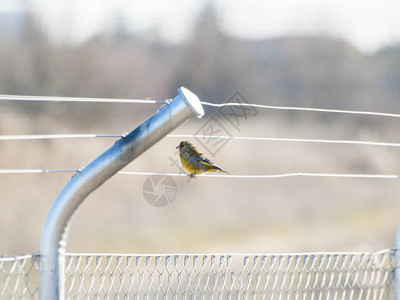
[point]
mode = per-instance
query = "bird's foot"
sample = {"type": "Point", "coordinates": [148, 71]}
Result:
{"type": "Point", "coordinates": [193, 175]}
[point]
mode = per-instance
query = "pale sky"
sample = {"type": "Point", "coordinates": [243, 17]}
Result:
{"type": "Point", "coordinates": [367, 24]}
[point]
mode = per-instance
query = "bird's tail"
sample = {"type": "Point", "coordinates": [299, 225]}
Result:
{"type": "Point", "coordinates": [220, 170]}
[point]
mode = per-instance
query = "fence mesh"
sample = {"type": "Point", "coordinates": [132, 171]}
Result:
{"type": "Point", "coordinates": [19, 277]}
{"type": "Point", "coordinates": [218, 276]}
{"type": "Point", "coordinates": [286, 276]}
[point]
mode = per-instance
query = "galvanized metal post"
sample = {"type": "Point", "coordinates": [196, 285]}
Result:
{"type": "Point", "coordinates": [397, 265]}
{"type": "Point", "coordinates": [52, 247]}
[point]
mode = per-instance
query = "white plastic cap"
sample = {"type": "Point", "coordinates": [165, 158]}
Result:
{"type": "Point", "coordinates": [192, 101]}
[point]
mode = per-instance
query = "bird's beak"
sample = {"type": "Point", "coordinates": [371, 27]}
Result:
{"type": "Point", "coordinates": [177, 147]}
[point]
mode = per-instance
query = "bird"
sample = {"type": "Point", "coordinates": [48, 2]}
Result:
{"type": "Point", "coordinates": [194, 161]}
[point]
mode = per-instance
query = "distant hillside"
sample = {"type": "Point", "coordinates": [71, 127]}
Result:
{"type": "Point", "coordinates": [297, 71]}
{"type": "Point", "coordinates": [304, 71]}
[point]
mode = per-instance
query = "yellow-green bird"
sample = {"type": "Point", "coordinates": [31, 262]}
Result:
{"type": "Point", "coordinates": [194, 161]}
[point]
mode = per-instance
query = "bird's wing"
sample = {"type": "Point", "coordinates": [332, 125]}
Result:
{"type": "Point", "coordinates": [207, 162]}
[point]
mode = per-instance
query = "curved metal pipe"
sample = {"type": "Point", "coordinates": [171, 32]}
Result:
{"type": "Point", "coordinates": [55, 231]}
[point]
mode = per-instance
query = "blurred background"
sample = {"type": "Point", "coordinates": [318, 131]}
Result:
{"type": "Point", "coordinates": [340, 55]}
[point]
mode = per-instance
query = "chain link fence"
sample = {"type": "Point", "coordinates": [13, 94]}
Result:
{"type": "Point", "coordinates": [213, 276]}
{"type": "Point", "coordinates": [19, 277]}
{"type": "Point", "coordinates": [289, 276]}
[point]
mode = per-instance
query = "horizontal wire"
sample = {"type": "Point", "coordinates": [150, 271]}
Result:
{"type": "Point", "coordinates": [77, 254]}
{"type": "Point", "coordinates": [376, 176]}
{"type": "Point", "coordinates": [371, 113]}
{"type": "Point", "coordinates": [36, 171]}
{"type": "Point", "coordinates": [75, 99]}
{"type": "Point", "coordinates": [77, 136]}
{"type": "Point", "coordinates": [55, 136]}
{"type": "Point", "coordinates": [17, 257]}
{"type": "Point", "coordinates": [382, 176]}
{"type": "Point", "coordinates": [370, 143]}
{"type": "Point", "coordinates": [149, 101]}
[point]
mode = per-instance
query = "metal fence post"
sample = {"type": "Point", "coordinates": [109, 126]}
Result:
{"type": "Point", "coordinates": [53, 241]}
{"type": "Point", "coordinates": [397, 265]}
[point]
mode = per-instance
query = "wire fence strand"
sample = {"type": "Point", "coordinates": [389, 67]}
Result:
{"type": "Point", "coordinates": [295, 174]}
{"type": "Point", "coordinates": [247, 138]}
{"type": "Point", "coordinates": [261, 176]}
{"type": "Point", "coordinates": [323, 110]}
{"type": "Point", "coordinates": [56, 136]}
{"type": "Point", "coordinates": [151, 101]}
{"type": "Point", "coordinates": [36, 171]}
{"type": "Point", "coordinates": [76, 99]}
